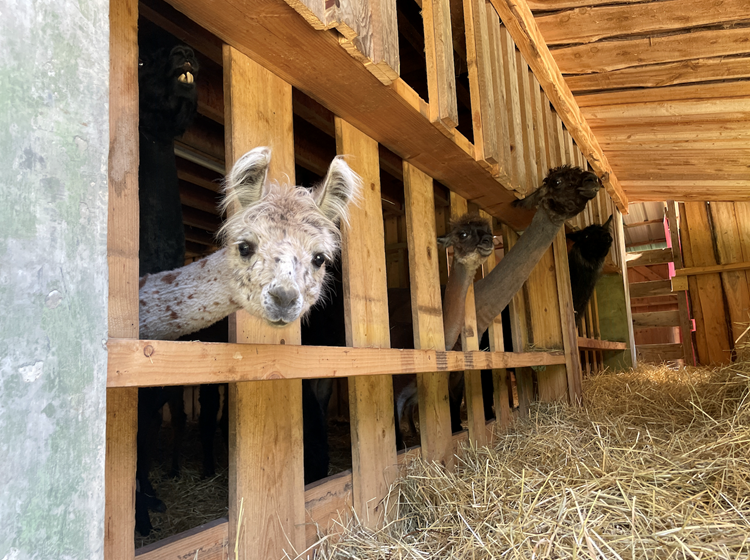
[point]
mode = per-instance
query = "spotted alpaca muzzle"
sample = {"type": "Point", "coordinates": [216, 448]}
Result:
{"type": "Point", "coordinates": [282, 304]}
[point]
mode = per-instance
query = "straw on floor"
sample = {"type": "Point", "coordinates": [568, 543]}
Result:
{"type": "Point", "coordinates": [656, 464]}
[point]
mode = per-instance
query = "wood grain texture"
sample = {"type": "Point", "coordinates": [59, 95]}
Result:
{"type": "Point", "coordinates": [686, 337]}
{"type": "Point", "coordinates": [665, 74]}
{"type": "Point", "coordinates": [512, 107]}
{"type": "Point", "coordinates": [615, 55]}
{"type": "Point", "coordinates": [520, 23]}
{"type": "Point", "coordinates": [266, 477]}
{"type": "Point", "coordinates": [657, 353]}
{"type": "Point", "coordinates": [122, 259]}
{"type": "Point", "coordinates": [155, 363]}
{"type": "Point", "coordinates": [726, 231]}
{"type": "Point", "coordinates": [500, 89]}
{"type": "Point", "coordinates": [549, 5]}
{"type": "Point", "coordinates": [656, 319]}
{"type": "Point", "coordinates": [650, 289]}
{"type": "Point", "coordinates": [669, 93]}
{"type": "Point", "coordinates": [483, 103]}
{"type": "Point", "coordinates": [209, 541]}
{"type": "Point", "coordinates": [427, 314]}
{"type": "Point", "coordinates": [470, 342]}
{"type": "Point", "coordinates": [600, 22]}
{"type": "Point", "coordinates": [366, 319]}
{"type": "Point", "coordinates": [540, 136]}
{"type": "Point", "coordinates": [526, 100]}
{"type": "Point", "coordinates": [594, 344]}
{"type": "Point", "coordinates": [441, 79]}
{"type": "Point", "coordinates": [652, 257]}
{"type": "Point", "coordinates": [369, 30]}
{"type": "Point", "coordinates": [315, 63]}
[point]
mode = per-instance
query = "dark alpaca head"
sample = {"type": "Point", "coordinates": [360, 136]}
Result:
{"type": "Point", "coordinates": [564, 192]}
{"type": "Point", "coordinates": [593, 242]}
{"type": "Point", "coordinates": [470, 236]}
{"type": "Point", "coordinates": [168, 96]}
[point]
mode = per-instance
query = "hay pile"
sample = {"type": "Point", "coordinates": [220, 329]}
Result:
{"type": "Point", "coordinates": [655, 465]}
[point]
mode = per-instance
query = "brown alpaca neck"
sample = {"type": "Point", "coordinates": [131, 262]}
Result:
{"type": "Point", "coordinates": [454, 301]}
{"type": "Point", "coordinates": [494, 292]}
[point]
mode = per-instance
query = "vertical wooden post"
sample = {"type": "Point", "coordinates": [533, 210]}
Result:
{"type": "Point", "coordinates": [122, 258]}
{"type": "Point", "coordinates": [520, 333]}
{"type": "Point", "coordinates": [427, 313]}
{"type": "Point", "coordinates": [366, 316]}
{"type": "Point", "coordinates": [526, 99]}
{"type": "Point", "coordinates": [266, 472]}
{"type": "Point", "coordinates": [469, 343]}
{"type": "Point", "coordinates": [494, 29]}
{"type": "Point", "coordinates": [682, 302]}
{"type": "Point", "coordinates": [503, 414]}
{"type": "Point", "coordinates": [480, 82]}
{"type": "Point", "coordinates": [513, 108]}
{"type": "Point", "coordinates": [706, 292]}
{"type": "Point", "coordinates": [540, 133]}
{"type": "Point", "coordinates": [438, 51]}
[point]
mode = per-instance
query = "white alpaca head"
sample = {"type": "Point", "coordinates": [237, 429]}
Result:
{"type": "Point", "coordinates": [281, 238]}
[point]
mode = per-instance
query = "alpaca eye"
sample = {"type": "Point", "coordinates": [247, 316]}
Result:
{"type": "Point", "coordinates": [319, 259]}
{"type": "Point", "coordinates": [463, 235]}
{"type": "Point", "coordinates": [246, 249]}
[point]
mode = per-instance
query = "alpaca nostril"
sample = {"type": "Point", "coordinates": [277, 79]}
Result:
{"type": "Point", "coordinates": [283, 297]}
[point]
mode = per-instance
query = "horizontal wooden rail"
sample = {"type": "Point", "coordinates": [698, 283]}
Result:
{"type": "Point", "coordinates": [156, 363]}
{"type": "Point", "coordinates": [654, 256]}
{"type": "Point", "coordinates": [696, 270]}
{"type": "Point", "coordinates": [656, 319]}
{"type": "Point", "coordinates": [659, 352]}
{"type": "Point", "coordinates": [646, 223]}
{"type": "Point", "coordinates": [595, 344]}
{"type": "Point", "coordinates": [650, 289]}
{"type": "Point", "coordinates": [324, 501]}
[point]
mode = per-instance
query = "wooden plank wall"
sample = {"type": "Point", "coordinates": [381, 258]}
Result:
{"type": "Point", "coordinates": [266, 478]}
{"type": "Point", "coordinates": [717, 233]}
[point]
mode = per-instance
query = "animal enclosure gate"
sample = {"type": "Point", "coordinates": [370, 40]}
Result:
{"type": "Point", "coordinates": [269, 508]}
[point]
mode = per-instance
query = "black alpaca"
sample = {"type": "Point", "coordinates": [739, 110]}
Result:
{"type": "Point", "coordinates": [168, 100]}
{"type": "Point", "coordinates": [586, 259]}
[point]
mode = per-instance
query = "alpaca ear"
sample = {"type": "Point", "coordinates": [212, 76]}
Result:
{"type": "Point", "coordinates": [608, 223]}
{"type": "Point", "coordinates": [245, 184]}
{"type": "Point", "coordinates": [444, 241]}
{"type": "Point", "coordinates": [340, 187]}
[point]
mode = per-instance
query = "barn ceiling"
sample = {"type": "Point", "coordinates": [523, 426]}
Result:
{"type": "Point", "coordinates": [665, 87]}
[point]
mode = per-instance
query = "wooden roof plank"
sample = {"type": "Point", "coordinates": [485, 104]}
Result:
{"type": "Point", "coordinates": [614, 55]}
{"type": "Point", "coordinates": [550, 5]}
{"type": "Point", "coordinates": [659, 75]}
{"type": "Point", "coordinates": [672, 93]}
{"type": "Point", "coordinates": [586, 25]}
{"type": "Point", "coordinates": [519, 21]}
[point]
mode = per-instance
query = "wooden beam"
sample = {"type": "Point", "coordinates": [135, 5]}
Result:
{"type": "Point", "coordinates": [601, 22]}
{"type": "Point", "coordinates": [483, 103]}
{"type": "Point", "coordinates": [644, 223]}
{"type": "Point", "coordinates": [686, 325]}
{"type": "Point", "coordinates": [697, 270]}
{"type": "Point", "coordinates": [520, 22]}
{"type": "Point", "coordinates": [661, 75]}
{"type": "Point", "coordinates": [526, 99]}
{"type": "Point", "coordinates": [594, 344]}
{"type": "Point", "coordinates": [209, 541]}
{"type": "Point", "coordinates": [656, 319]}
{"type": "Point", "coordinates": [441, 79]}
{"type": "Point", "coordinates": [315, 63]}
{"type": "Point", "coordinates": [366, 320]}
{"type": "Point", "coordinates": [650, 289]}
{"type": "Point", "coordinates": [652, 257]}
{"type": "Point", "coordinates": [427, 313]}
{"type": "Point", "coordinates": [614, 55]}
{"type": "Point", "coordinates": [549, 5]}
{"type": "Point", "coordinates": [266, 473]}
{"type": "Point", "coordinates": [512, 107]}
{"type": "Point", "coordinates": [711, 110]}
{"type": "Point", "coordinates": [663, 94]}
{"type": "Point", "coordinates": [500, 89]}
{"type": "Point", "coordinates": [122, 259]}
{"type": "Point", "coordinates": [657, 353]}
{"type": "Point", "coordinates": [689, 191]}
